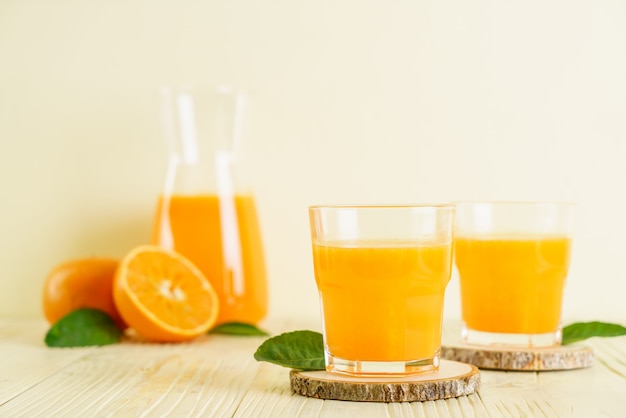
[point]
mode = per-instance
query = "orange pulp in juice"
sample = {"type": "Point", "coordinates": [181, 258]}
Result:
{"type": "Point", "coordinates": [221, 237]}
{"type": "Point", "coordinates": [382, 301]}
{"type": "Point", "coordinates": [512, 284]}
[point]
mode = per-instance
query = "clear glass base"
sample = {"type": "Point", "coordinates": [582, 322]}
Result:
{"type": "Point", "coordinates": [549, 339]}
{"type": "Point", "coordinates": [336, 364]}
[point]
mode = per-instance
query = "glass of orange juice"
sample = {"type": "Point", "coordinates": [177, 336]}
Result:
{"type": "Point", "coordinates": [513, 259]}
{"type": "Point", "coordinates": [381, 273]}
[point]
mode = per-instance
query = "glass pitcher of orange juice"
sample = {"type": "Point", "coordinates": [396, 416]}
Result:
{"type": "Point", "coordinates": [206, 211]}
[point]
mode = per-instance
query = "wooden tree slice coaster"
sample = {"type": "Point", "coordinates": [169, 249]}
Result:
{"type": "Point", "coordinates": [453, 379]}
{"type": "Point", "coordinates": [523, 359]}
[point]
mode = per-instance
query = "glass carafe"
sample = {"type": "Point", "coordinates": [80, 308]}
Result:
{"type": "Point", "coordinates": [206, 211]}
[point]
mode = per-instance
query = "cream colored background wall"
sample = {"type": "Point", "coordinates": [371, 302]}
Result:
{"type": "Point", "coordinates": [355, 101]}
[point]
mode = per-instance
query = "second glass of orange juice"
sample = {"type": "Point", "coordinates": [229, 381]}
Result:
{"type": "Point", "coordinates": [513, 258]}
{"type": "Point", "coordinates": [381, 272]}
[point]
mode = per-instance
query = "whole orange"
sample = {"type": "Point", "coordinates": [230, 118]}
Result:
{"type": "Point", "coordinates": [81, 283]}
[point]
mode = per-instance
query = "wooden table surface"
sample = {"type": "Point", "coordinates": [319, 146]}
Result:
{"type": "Point", "coordinates": [217, 376]}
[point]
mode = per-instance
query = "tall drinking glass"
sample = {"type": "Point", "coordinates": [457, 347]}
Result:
{"type": "Point", "coordinates": [512, 259]}
{"type": "Point", "coordinates": [381, 272]}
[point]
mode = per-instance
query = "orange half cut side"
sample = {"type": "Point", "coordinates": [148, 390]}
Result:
{"type": "Point", "coordinates": [163, 296]}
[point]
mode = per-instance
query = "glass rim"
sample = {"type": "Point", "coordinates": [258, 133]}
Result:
{"type": "Point", "coordinates": [515, 202]}
{"type": "Point", "coordinates": [385, 206]}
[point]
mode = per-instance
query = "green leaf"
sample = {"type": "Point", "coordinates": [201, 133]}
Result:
{"type": "Point", "coordinates": [582, 330]}
{"type": "Point", "coordinates": [302, 350]}
{"type": "Point", "coordinates": [238, 328]}
{"type": "Point", "coordinates": [82, 328]}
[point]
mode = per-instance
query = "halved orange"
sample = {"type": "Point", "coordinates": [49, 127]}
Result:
{"type": "Point", "coordinates": [163, 296]}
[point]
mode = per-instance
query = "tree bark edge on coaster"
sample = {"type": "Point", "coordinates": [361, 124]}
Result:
{"type": "Point", "coordinates": [520, 359]}
{"type": "Point", "coordinates": [454, 379]}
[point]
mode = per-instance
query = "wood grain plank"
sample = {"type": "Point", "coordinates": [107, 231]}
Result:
{"type": "Point", "coordinates": [611, 353]}
{"type": "Point", "coordinates": [270, 395]}
{"type": "Point", "coordinates": [217, 376]}
{"type": "Point", "coordinates": [202, 378]}
{"type": "Point", "coordinates": [25, 359]}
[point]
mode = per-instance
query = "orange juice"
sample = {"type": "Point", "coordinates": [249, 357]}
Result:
{"type": "Point", "coordinates": [512, 284]}
{"type": "Point", "coordinates": [222, 238]}
{"type": "Point", "coordinates": [382, 301]}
